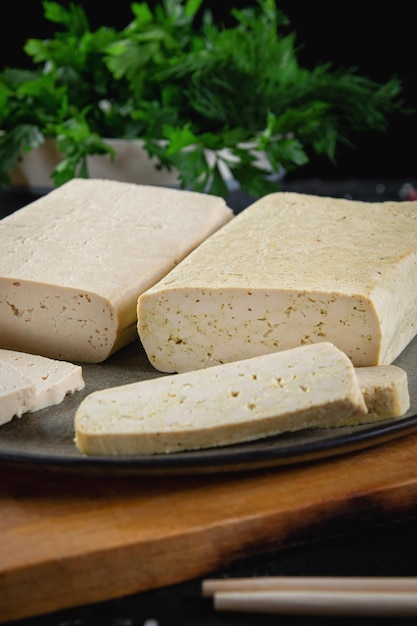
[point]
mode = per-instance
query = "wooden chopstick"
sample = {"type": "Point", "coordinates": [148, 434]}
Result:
{"type": "Point", "coordinates": [336, 603]}
{"type": "Point", "coordinates": [343, 583]}
{"type": "Point", "coordinates": [337, 596]}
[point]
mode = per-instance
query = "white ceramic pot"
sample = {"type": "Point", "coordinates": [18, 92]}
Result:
{"type": "Point", "coordinates": [130, 164]}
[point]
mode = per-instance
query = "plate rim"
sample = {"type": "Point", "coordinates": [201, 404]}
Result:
{"type": "Point", "coordinates": [242, 457]}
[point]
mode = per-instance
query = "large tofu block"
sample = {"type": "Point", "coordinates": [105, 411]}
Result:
{"type": "Point", "coordinates": [291, 269]}
{"type": "Point", "coordinates": [74, 262]}
{"type": "Point", "coordinates": [310, 386]}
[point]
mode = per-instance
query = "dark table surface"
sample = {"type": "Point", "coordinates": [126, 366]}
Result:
{"type": "Point", "coordinates": [388, 548]}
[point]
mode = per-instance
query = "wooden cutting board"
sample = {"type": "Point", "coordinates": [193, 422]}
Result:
{"type": "Point", "coordinates": [68, 540]}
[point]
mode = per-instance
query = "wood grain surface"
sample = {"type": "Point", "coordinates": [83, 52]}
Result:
{"type": "Point", "coordinates": [68, 540]}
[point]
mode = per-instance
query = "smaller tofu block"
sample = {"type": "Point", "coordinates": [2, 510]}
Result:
{"type": "Point", "coordinates": [385, 391]}
{"type": "Point", "coordinates": [74, 262]}
{"type": "Point", "coordinates": [310, 386]}
{"type": "Point", "coordinates": [17, 393]}
{"type": "Point", "coordinates": [53, 379]}
{"type": "Point", "coordinates": [288, 270]}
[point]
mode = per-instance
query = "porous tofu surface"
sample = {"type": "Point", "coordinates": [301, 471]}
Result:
{"type": "Point", "coordinates": [291, 269]}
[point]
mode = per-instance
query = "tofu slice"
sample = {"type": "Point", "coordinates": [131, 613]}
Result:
{"type": "Point", "coordinates": [310, 386]}
{"type": "Point", "coordinates": [385, 391]}
{"type": "Point", "coordinates": [53, 379]}
{"type": "Point", "coordinates": [74, 262]}
{"type": "Point", "coordinates": [17, 393]}
{"type": "Point", "coordinates": [290, 269]}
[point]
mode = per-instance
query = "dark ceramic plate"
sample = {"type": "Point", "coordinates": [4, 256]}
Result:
{"type": "Point", "coordinates": [46, 438]}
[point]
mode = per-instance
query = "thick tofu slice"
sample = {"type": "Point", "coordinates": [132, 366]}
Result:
{"type": "Point", "coordinates": [307, 387]}
{"type": "Point", "coordinates": [289, 270]}
{"type": "Point", "coordinates": [17, 393]}
{"type": "Point", "coordinates": [53, 379]}
{"type": "Point", "coordinates": [385, 391]}
{"type": "Point", "coordinates": [74, 262]}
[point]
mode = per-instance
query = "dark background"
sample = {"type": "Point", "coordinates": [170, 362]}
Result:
{"type": "Point", "coordinates": [377, 40]}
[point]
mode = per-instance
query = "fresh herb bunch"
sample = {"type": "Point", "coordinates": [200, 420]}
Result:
{"type": "Point", "coordinates": [197, 93]}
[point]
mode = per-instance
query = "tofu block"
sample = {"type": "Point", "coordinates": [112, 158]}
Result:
{"type": "Point", "coordinates": [17, 393]}
{"type": "Point", "coordinates": [74, 262]}
{"type": "Point", "coordinates": [385, 391]}
{"type": "Point", "coordinates": [311, 386]}
{"type": "Point", "coordinates": [289, 270]}
{"type": "Point", "coordinates": [53, 379]}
